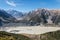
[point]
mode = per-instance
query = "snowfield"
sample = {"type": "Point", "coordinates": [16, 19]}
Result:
{"type": "Point", "coordinates": [29, 30]}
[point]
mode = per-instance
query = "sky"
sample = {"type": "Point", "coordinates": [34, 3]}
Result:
{"type": "Point", "coordinates": [28, 5]}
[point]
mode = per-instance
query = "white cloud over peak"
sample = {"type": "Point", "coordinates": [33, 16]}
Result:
{"type": "Point", "coordinates": [11, 3]}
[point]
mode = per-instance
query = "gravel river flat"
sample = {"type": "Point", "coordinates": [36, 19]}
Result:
{"type": "Point", "coordinates": [29, 30]}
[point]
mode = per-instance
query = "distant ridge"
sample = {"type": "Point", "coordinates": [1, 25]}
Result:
{"type": "Point", "coordinates": [34, 17]}
{"type": "Point", "coordinates": [5, 17]}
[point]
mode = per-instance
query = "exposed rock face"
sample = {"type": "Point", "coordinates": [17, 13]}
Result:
{"type": "Point", "coordinates": [16, 14]}
{"type": "Point", "coordinates": [5, 17]}
{"type": "Point", "coordinates": [44, 16]}
{"type": "Point", "coordinates": [35, 17]}
{"type": "Point", "coordinates": [0, 22]}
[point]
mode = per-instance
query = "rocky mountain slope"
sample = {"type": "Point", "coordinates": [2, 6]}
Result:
{"type": "Point", "coordinates": [44, 16]}
{"type": "Point", "coordinates": [34, 17]}
{"type": "Point", "coordinates": [16, 14]}
{"type": "Point", "coordinates": [5, 17]}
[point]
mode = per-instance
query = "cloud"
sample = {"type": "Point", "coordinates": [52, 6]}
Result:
{"type": "Point", "coordinates": [11, 3]}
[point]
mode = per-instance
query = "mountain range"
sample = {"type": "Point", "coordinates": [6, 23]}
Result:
{"type": "Point", "coordinates": [5, 17]}
{"type": "Point", "coordinates": [34, 17]}
{"type": "Point", "coordinates": [44, 16]}
{"type": "Point", "coordinates": [15, 13]}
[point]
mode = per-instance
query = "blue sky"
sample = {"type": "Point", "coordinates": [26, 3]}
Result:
{"type": "Point", "coordinates": [28, 5]}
